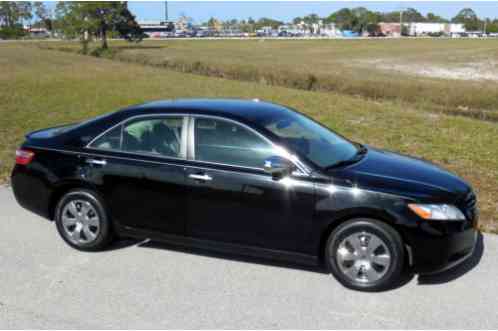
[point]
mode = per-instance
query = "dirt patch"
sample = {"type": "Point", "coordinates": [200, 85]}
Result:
{"type": "Point", "coordinates": [476, 71]}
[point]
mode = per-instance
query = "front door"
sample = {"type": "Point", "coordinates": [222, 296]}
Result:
{"type": "Point", "coordinates": [233, 200]}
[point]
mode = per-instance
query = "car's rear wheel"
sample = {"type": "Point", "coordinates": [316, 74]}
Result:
{"type": "Point", "coordinates": [82, 222]}
{"type": "Point", "coordinates": [365, 254]}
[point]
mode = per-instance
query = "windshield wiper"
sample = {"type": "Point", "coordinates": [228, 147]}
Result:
{"type": "Point", "coordinates": [362, 150]}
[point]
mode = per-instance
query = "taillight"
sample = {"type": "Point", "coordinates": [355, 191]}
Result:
{"type": "Point", "coordinates": [24, 157]}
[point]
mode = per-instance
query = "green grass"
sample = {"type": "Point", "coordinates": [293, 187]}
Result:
{"type": "Point", "coordinates": [375, 69]}
{"type": "Point", "coordinates": [46, 88]}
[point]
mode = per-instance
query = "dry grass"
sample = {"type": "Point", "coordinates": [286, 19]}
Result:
{"type": "Point", "coordinates": [419, 72]}
{"type": "Point", "coordinates": [45, 88]}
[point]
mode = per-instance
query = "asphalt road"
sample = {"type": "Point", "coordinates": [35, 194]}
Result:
{"type": "Point", "coordinates": [46, 284]}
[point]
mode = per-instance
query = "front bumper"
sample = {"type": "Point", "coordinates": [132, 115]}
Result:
{"type": "Point", "coordinates": [453, 260]}
{"type": "Point", "coordinates": [438, 247]}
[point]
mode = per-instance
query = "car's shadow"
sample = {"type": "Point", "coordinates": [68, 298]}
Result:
{"type": "Point", "coordinates": [230, 256]}
{"type": "Point", "coordinates": [439, 278]}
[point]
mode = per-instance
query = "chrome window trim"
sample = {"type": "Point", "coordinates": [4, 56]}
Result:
{"type": "Point", "coordinates": [188, 142]}
{"type": "Point", "coordinates": [183, 146]}
{"type": "Point", "coordinates": [147, 161]}
{"type": "Point", "coordinates": [302, 169]}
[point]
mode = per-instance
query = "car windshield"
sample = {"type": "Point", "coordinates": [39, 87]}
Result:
{"type": "Point", "coordinates": [312, 140]}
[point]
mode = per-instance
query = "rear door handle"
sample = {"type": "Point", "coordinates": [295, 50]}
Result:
{"type": "Point", "coordinates": [96, 162]}
{"type": "Point", "coordinates": [203, 178]}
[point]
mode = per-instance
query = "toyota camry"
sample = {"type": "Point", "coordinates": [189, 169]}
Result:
{"type": "Point", "coordinates": [251, 178]}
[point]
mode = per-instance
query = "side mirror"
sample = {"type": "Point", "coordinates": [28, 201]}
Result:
{"type": "Point", "coordinates": [278, 166]}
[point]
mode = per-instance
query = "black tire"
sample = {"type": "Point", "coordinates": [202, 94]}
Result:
{"type": "Point", "coordinates": [391, 240]}
{"type": "Point", "coordinates": [104, 234]}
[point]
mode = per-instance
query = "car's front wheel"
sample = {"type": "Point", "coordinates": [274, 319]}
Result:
{"type": "Point", "coordinates": [82, 222]}
{"type": "Point", "coordinates": [365, 254]}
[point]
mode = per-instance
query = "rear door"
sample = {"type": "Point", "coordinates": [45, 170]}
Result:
{"type": "Point", "coordinates": [140, 168]}
{"type": "Point", "coordinates": [233, 200]}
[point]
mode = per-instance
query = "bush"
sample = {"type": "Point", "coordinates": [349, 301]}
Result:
{"type": "Point", "coordinates": [102, 52]}
{"type": "Point", "coordinates": [15, 32]}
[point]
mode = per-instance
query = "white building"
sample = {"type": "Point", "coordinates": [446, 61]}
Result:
{"type": "Point", "coordinates": [456, 28]}
{"type": "Point", "coordinates": [417, 29]}
{"type": "Point", "coordinates": [330, 30]}
{"type": "Point", "coordinates": [421, 29]}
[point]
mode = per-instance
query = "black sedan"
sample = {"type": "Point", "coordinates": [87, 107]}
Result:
{"type": "Point", "coordinates": [247, 177]}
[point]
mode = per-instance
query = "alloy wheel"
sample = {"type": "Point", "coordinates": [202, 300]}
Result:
{"type": "Point", "coordinates": [363, 257]}
{"type": "Point", "coordinates": [80, 221]}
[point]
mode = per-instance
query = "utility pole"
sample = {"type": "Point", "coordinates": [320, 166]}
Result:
{"type": "Point", "coordinates": [166, 11]}
{"type": "Point", "coordinates": [401, 22]}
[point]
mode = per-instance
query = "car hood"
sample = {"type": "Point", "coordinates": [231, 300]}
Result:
{"type": "Point", "coordinates": [398, 174]}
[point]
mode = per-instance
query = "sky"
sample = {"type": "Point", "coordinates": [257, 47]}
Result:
{"type": "Point", "coordinates": [286, 11]}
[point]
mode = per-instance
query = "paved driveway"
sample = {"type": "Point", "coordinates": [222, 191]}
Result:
{"type": "Point", "coordinates": [46, 284]}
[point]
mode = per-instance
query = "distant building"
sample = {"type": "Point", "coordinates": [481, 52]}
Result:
{"type": "Point", "coordinates": [265, 31]}
{"type": "Point", "coordinates": [390, 29]}
{"type": "Point", "coordinates": [329, 30]}
{"type": "Point", "coordinates": [37, 33]}
{"type": "Point", "coordinates": [456, 28]}
{"type": "Point", "coordinates": [157, 29]}
{"type": "Point", "coordinates": [349, 34]}
{"type": "Point", "coordinates": [421, 29]}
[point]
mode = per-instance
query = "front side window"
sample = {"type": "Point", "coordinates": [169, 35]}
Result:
{"type": "Point", "coordinates": [159, 136]}
{"type": "Point", "coordinates": [229, 143]}
{"type": "Point", "coordinates": [310, 139]}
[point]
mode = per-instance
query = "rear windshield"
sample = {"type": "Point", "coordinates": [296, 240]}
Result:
{"type": "Point", "coordinates": [51, 132]}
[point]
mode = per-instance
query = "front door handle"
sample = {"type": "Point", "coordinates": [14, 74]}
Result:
{"type": "Point", "coordinates": [96, 162]}
{"type": "Point", "coordinates": [203, 178]}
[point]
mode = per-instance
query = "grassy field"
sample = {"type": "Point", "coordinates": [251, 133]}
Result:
{"type": "Point", "coordinates": [45, 88]}
{"type": "Point", "coordinates": [436, 75]}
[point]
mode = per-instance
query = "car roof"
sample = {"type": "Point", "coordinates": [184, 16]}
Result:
{"type": "Point", "coordinates": [253, 113]}
{"type": "Point", "coordinates": [243, 109]}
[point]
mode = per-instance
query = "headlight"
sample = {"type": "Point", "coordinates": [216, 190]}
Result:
{"type": "Point", "coordinates": [437, 212]}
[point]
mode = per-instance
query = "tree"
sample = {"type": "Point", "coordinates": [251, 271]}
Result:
{"type": "Point", "coordinates": [214, 24]}
{"type": "Point", "coordinates": [81, 19]}
{"type": "Point", "coordinates": [412, 15]}
{"type": "Point", "coordinates": [404, 30]}
{"type": "Point", "coordinates": [247, 26]}
{"type": "Point", "coordinates": [12, 14]}
{"type": "Point", "coordinates": [492, 26]}
{"type": "Point", "coordinates": [362, 18]}
{"type": "Point", "coordinates": [343, 19]}
{"type": "Point", "coordinates": [357, 19]}
{"type": "Point", "coordinates": [125, 24]}
{"type": "Point", "coordinates": [311, 19]}
{"type": "Point", "coordinates": [43, 15]}
{"type": "Point", "coordinates": [409, 15]}
{"type": "Point", "coordinates": [433, 18]}
{"type": "Point", "coordinates": [468, 18]}
{"type": "Point", "coordinates": [373, 29]}
{"type": "Point", "coordinates": [264, 21]}
{"type": "Point", "coordinates": [297, 20]}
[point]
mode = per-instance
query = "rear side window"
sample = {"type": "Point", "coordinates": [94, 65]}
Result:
{"type": "Point", "coordinates": [159, 136]}
{"type": "Point", "coordinates": [229, 143]}
{"type": "Point", "coordinates": [110, 140]}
